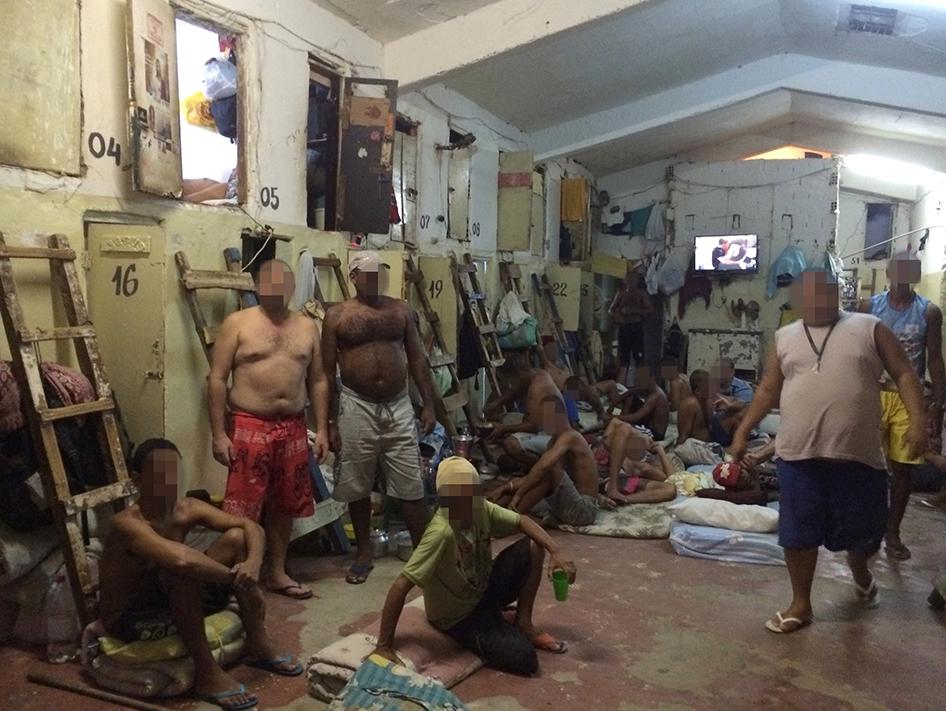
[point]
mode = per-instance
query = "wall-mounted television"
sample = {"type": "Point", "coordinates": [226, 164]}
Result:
{"type": "Point", "coordinates": [728, 255]}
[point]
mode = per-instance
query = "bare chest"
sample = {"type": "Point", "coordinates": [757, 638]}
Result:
{"type": "Point", "coordinates": [268, 342]}
{"type": "Point", "coordinates": [361, 327]}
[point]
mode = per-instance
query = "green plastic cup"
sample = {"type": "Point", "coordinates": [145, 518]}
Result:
{"type": "Point", "coordinates": [560, 585]}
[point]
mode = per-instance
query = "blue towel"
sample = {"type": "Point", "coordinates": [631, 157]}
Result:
{"type": "Point", "coordinates": [381, 685]}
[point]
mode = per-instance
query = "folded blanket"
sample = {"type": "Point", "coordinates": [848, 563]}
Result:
{"type": "Point", "coordinates": [422, 647]}
{"type": "Point", "coordinates": [720, 544]}
{"type": "Point", "coordinates": [379, 683]}
{"type": "Point", "coordinates": [631, 521]}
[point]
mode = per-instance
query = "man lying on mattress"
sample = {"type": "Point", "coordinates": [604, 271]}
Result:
{"type": "Point", "coordinates": [641, 462]}
{"type": "Point", "coordinates": [465, 590]}
{"type": "Point", "coordinates": [154, 585]}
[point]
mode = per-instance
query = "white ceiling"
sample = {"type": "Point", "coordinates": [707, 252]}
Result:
{"type": "Point", "coordinates": [765, 121]}
{"type": "Point", "coordinates": [388, 20]}
{"type": "Point", "coordinates": [667, 43]}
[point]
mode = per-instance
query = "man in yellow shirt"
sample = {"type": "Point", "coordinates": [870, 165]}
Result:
{"type": "Point", "coordinates": [465, 590]}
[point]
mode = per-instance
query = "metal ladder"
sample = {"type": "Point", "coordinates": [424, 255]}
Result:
{"type": "Point", "coordinates": [24, 348]}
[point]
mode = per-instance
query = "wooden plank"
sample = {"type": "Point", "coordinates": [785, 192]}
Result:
{"type": "Point", "coordinates": [513, 270]}
{"type": "Point", "coordinates": [332, 262]}
{"type": "Point", "coordinates": [207, 279]}
{"type": "Point", "coordinates": [234, 260]}
{"type": "Point", "coordinates": [438, 361]}
{"type": "Point", "coordinates": [466, 268]}
{"type": "Point", "coordinates": [99, 497]}
{"type": "Point", "coordinates": [83, 408]}
{"type": "Point", "coordinates": [210, 334]}
{"type": "Point", "coordinates": [487, 328]}
{"type": "Point", "coordinates": [33, 335]}
{"type": "Point", "coordinates": [7, 252]}
{"type": "Point", "coordinates": [451, 403]}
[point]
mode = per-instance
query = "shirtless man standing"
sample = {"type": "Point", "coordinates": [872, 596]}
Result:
{"type": "Point", "coordinates": [154, 585]}
{"type": "Point", "coordinates": [374, 341]}
{"type": "Point", "coordinates": [525, 441]}
{"type": "Point", "coordinates": [272, 355]}
{"type": "Point", "coordinates": [628, 309]}
{"type": "Point", "coordinates": [566, 475]}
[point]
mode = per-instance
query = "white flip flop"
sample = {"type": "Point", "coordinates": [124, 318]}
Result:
{"type": "Point", "coordinates": [782, 621]}
{"type": "Point", "coordinates": [870, 596]}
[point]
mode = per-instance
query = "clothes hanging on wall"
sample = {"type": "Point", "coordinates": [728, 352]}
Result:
{"type": "Point", "coordinates": [654, 232]}
{"type": "Point", "coordinates": [696, 286]}
{"type": "Point", "coordinates": [469, 360]}
{"type": "Point", "coordinates": [635, 223]}
{"type": "Point", "coordinates": [786, 268]}
{"type": "Point", "coordinates": [565, 244]}
{"type": "Point", "coordinates": [574, 200]}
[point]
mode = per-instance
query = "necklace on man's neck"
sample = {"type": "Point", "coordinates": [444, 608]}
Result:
{"type": "Point", "coordinates": [819, 352]}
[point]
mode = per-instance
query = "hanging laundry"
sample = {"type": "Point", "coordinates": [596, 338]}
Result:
{"type": "Point", "coordinates": [696, 286]}
{"type": "Point", "coordinates": [469, 360]}
{"type": "Point", "coordinates": [394, 215]}
{"type": "Point", "coordinates": [305, 281]}
{"type": "Point", "coordinates": [786, 268]}
{"type": "Point", "coordinates": [574, 200]}
{"type": "Point", "coordinates": [654, 231]}
{"type": "Point", "coordinates": [565, 245]}
{"type": "Point", "coordinates": [635, 223]}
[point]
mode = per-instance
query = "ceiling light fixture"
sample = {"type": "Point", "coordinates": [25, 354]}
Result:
{"type": "Point", "coordinates": [893, 171]}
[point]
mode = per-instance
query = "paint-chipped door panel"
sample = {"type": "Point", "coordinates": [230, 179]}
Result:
{"type": "Point", "coordinates": [154, 126]}
{"type": "Point", "coordinates": [125, 284]}
{"type": "Point", "coordinates": [366, 156]}
{"type": "Point", "coordinates": [40, 110]}
{"type": "Point", "coordinates": [458, 195]}
{"type": "Point", "coordinates": [405, 187]}
{"type": "Point", "coordinates": [515, 201]}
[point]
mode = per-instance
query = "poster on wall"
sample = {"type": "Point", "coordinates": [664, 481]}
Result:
{"type": "Point", "coordinates": [154, 128]}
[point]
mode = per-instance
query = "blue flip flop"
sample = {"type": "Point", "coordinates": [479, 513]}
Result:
{"type": "Point", "coordinates": [272, 665]}
{"type": "Point", "coordinates": [358, 573]}
{"type": "Point", "coordinates": [220, 696]}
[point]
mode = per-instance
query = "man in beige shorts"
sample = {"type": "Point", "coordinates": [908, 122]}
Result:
{"type": "Point", "coordinates": [374, 342]}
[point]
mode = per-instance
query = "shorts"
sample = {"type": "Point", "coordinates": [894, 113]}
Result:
{"type": "Point", "coordinates": [895, 423]}
{"type": "Point", "coordinates": [569, 506]}
{"type": "Point", "coordinates": [630, 343]}
{"type": "Point", "coordinates": [148, 615]}
{"type": "Point", "coordinates": [531, 442]}
{"type": "Point", "coordinates": [270, 466]}
{"type": "Point", "coordinates": [840, 505]}
{"type": "Point", "coordinates": [484, 632]}
{"type": "Point", "coordinates": [718, 432]}
{"type": "Point", "coordinates": [377, 437]}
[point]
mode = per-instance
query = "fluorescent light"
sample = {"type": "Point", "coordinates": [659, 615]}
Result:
{"type": "Point", "coordinates": [893, 171]}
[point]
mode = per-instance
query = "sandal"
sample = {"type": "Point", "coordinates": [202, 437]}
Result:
{"type": "Point", "coordinates": [869, 596]}
{"type": "Point", "coordinates": [358, 573]}
{"type": "Point", "coordinates": [219, 698]}
{"type": "Point", "coordinates": [303, 594]}
{"type": "Point", "coordinates": [276, 665]}
{"type": "Point", "coordinates": [547, 643]}
{"type": "Point", "coordinates": [786, 625]}
{"type": "Point", "coordinates": [897, 551]}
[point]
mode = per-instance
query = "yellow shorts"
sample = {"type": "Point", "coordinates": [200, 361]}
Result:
{"type": "Point", "coordinates": [895, 422]}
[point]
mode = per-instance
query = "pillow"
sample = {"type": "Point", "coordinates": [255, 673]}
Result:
{"type": "Point", "coordinates": [723, 514]}
{"type": "Point", "coordinates": [221, 628]}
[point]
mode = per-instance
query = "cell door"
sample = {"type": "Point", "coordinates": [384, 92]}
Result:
{"type": "Point", "coordinates": [125, 285]}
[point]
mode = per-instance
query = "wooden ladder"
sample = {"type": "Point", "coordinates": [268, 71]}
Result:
{"type": "Point", "coordinates": [335, 264]}
{"type": "Point", "coordinates": [24, 347]}
{"type": "Point", "coordinates": [473, 299]}
{"type": "Point", "coordinates": [456, 399]}
{"type": "Point", "coordinates": [511, 276]}
{"type": "Point", "coordinates": [234, 279]}
{"type": "Point", "coordinates": [544, 290]}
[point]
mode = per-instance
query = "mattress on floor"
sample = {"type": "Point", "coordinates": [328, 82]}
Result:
{"type": "Point", "coordinates": [722, 544]}
{"type": "Point", "coordinates": [645, 521]}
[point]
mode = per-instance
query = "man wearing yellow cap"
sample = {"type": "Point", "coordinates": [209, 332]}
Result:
{"type": "Point", "coordinates": [374, 341]}
{"type": "Point", "coordinates": [465, 590]}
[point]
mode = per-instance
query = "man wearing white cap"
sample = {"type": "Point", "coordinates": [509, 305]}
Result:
{"type": "Point", "coordinates": [465, 590]}
{"type": "Point", "coordinates": [374, 342]}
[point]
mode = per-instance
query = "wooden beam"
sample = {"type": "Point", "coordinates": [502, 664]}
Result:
{"type": "Point", "coordinates": [36, 253]}
{"type": "Point", "coordinates": [83, 408]}
{"type": "Point", "coordinates": [204, 279]}
{"type": "Point", "coordinates": [32, 335]}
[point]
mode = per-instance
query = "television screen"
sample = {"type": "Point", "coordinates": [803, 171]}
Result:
{"type": "Point", "coordinates": [727, 253]}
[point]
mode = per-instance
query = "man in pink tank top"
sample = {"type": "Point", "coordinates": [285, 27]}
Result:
{"type": "Point", "coordinates": [824, 374]}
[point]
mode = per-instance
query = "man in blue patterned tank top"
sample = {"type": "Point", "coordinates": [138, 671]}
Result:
{"type": "Point", "coordinates": [918, 325]}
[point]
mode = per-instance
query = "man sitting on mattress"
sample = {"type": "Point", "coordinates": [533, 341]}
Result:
{"type": "Point", "coordinates": [154, 585]}
{"type": "Point", "coordinates": [642, 461]}
{"type": "Point", "coordinates": [465, 590]}
{"type": "Point", "coordinates": [565, 477]}
{"type": "Point", "coordinates": [705, 422]}
{"type": "Point", "coordinates": [647, 405]}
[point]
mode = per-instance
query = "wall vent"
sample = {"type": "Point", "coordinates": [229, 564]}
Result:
{"type": "Point", "coordinates": [869, 20]}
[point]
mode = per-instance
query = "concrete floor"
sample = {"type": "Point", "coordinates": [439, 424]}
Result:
{"type": "Point", "coordinates": [648, 630]}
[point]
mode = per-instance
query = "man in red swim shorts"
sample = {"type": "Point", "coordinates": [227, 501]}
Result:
{"type": "Point", "coordinates": [272, 356]}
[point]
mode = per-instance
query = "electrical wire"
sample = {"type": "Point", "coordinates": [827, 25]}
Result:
{"type": "Point", "coordinates": [269, 237]}
{"type": "Point", "coordinates": [474, 119]}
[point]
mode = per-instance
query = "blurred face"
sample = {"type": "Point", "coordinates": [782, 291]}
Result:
{"type": "Point", "coordinates": [726, 374]}
{"type": "Point", "coordinates": [461, 501]}
{"type": "Point", "coordinates": [159, 477]}
{"type": "Point", "coordinates": [818, 298]}
{"type": "Point", "coordinates": [367, 284]}
{"type": "Point", "coordinates": [903, 272]}
{"type": "Point", "coordinates": [644, 379]}
{"type": "Point", "coordinates": [701, 386]}
{"type": "Point", "coordinates": [276, 285]}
